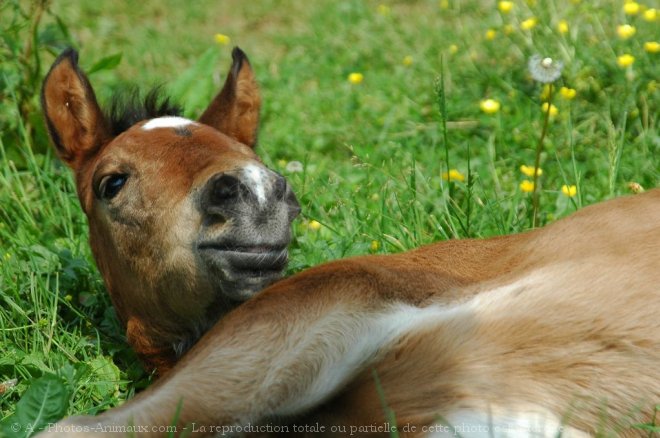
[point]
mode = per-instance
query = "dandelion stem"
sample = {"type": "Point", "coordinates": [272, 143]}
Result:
{"type": "Point", "coordinates": [442, 107]}
{"type": "Point", "coordinates": [537, 161]}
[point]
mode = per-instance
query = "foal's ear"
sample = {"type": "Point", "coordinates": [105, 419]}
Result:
{"type": "Point", "coordinates": [75, 121]}
{"type": "Point", "coordinates": [235, 110]}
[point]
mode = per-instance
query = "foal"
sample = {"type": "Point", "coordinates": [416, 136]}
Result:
{"type": "Point", "coordinates": [185, 221]}
{"type": "Point", "coordinates": [551, 332]}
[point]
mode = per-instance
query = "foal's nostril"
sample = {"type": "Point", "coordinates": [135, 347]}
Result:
{"type": "Point", "coordinates": [223, 187]}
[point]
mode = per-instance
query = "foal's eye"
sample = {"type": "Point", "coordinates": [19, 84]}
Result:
{"type": "Point", "coordinates": [111, 185]}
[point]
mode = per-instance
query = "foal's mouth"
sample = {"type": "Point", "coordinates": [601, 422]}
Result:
{"type": "Point", "coordinates": [245, 262]}
{"type": "Point", "coordinates": [240, 270]}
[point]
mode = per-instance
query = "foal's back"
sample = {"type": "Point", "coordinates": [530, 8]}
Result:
{"type": "Point", "coordinates": [559, 325]}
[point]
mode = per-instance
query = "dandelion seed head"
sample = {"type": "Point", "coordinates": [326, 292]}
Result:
{"type": "Point", "coordinates": [294, 167]}
{"type": "Point", "coordinates": [545, 70]}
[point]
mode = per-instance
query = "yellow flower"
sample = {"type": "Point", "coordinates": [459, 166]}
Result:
{"type": "Point", "coordinates": [529, 24]}
{"type": "Point", "coordinates": [635, 187]}
{"type": "Point", "coordinates": [453, 175]}
{"type": "Point", "coordinates": [407, 61]}
{"type": "Point", "coordinates": [527, 186]}
{"type": "Point", "coordinates": [652, 46]}
{"type": "Point", "coordinates": [491, 34]}
{"type": "Point", "coordinates": [222, 39]}
{"type": "Point", "coordinates": [551, 108]}
{"type": "Point", "coordinates": [651, 14]}
{"type": "Point", "coordinates": [505, 6]}
{"type": "Point", "coordinates": [355, 78]}
{"type": "Point", "coordinates": [562, 26]}
{"type": "Point", "coordinates": [631, 8]}
{"type": "Point", "coordinates": [625, 60]}
{"type": "Point", "coordinates": [489, 106]}
{"type": "Point", "coordinates": [567, 93]}
{"type": "Point", "coordinates": [383, 10]}
{"type": "Point", "coordinates": [453, 49]}
{"type": "Point", "coordinates": [507, 29]}
{"type": "Point", "coordinates": [625, 31]}
{"type": "Point", "coordinates": [375, 245]}
{"type": "Point", "coordinates": [569, 191]}
{"type": "Point", "coordinates": [314, 225]}
{"type": "Point", "coordinates": [529, 170]}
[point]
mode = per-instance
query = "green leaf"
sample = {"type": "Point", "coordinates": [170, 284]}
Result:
{"type": "Point", "coordinates": [108, 377]}
{"type": "Point", "coordinates": [194, 87]}
{"type": "Point", "coordinates": [44, 402]}
{"type": "Point", "coordinates": [107, 63]}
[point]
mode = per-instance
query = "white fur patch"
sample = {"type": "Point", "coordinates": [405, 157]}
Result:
{"type": "Point", "coordinates": [167, 122]}
{"type": "Point", "coordinates": [343, 342]}
{"type": "Point", "coordinates": [257, 181]}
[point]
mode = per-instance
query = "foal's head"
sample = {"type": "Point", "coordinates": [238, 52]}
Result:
{"type": "Point", "coordinates": [185, 221]}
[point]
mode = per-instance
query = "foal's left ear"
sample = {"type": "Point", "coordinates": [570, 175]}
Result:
{"type": "Point", "coordinates": [75, 121]}
{"type": "Point", "coordinates": [235, 110]}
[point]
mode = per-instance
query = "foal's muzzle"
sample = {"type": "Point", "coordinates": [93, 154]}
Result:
{"type": "Point", "coordinates": [247, 215]}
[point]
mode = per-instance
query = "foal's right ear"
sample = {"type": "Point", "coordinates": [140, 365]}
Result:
{"type": "Point", "coordinates": [235, 110]}
{"type": "Point", "coordinates": [75, 121]}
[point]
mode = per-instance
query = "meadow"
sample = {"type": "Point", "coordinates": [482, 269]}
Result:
{"type": "Point", "coordinates": [398, 123]}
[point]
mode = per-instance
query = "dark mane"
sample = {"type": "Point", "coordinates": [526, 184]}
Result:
{"type": "Point", "coordinates": [128, 108]}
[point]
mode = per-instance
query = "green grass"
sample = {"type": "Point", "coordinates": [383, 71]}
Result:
{"type": "Point", "coordinates": [373, 154]}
